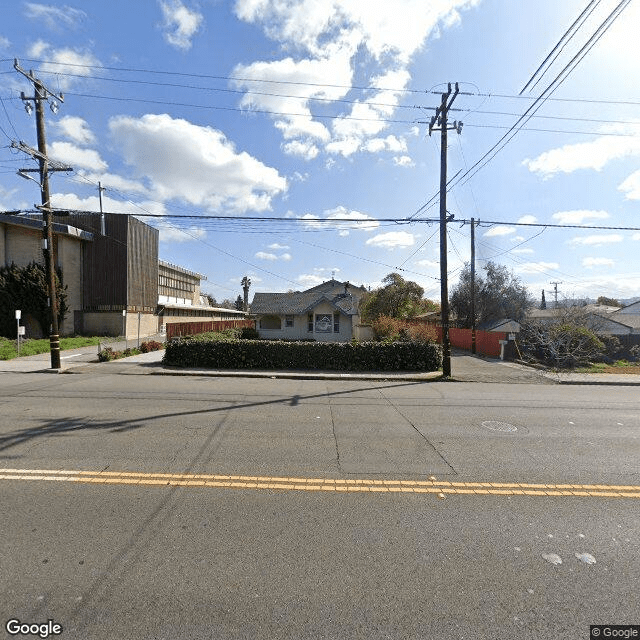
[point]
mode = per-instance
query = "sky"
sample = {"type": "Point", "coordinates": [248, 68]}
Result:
{"type": "Point", "coordinates": [200, 116]}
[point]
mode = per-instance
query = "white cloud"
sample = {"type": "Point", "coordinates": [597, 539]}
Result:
{"type": "Point", "coordinates": [92, 203]}
{"type": "Point", "coordinates": [64, 61]}
{"type": "Point", "coordinates": [180, 23]}
{"type": "Point", "coordinates": [263, 255]}
{"type": "Point", "coordinates": [585, 155]}
{"type": "Point", "coordinates": [635, 236]}
{"type": "Point", "coordinates": [310, 279]}
{"type": "Point", "coordinates": [76, 157]}
{"type": "Point", "coordinates": [4, 42]}
{"type": "Point", "coordinates": [500, 230]}
{"type": "Point", "coordinates": [76, 129]}
{"type": "Point", "coordinates": [196, 164]}
{"type": "Point", "coordinates": [597, 240]}
{"type": "Point", "coordinates": [327, 35]}
{"type": "Point", "coordinates": [57, 18]}
{"type": "Point", "coordinates": [597, 262]}
{"type": "Point", "coordinates": [528, 220]}
{"type": "Point", "coordinates": [631, 186]}
{"type": "Point", "coordinates": [278, 247]}
{"type": "Point", "coordinates": [432, 264]}
{"type": "Point", "coordinates": [305, 149]}
{"type": "Point", "coordinates": [536, 267]}
{"type": "Point", "coordinates": [523, 251]}
{"type": "Point", "coordinates": [579, 216]}
{"type": "Point", "coordinates": [403, 161]}
{"type": "Point", "coordinates": [115, 182]}
{"type": "Point", "coordinates": [170, 233]}
{"type": "Point", "coordinates": [392, 239]}
{"type": "Point", "coordinates": [343, 221]}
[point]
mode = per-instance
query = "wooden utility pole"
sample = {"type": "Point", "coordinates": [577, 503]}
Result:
{"type": "Point", "coordinates": [439, 122]}
{"type": "Point", "coordinates": [473, 286]}
{"type": "Point", "coordinates": [42, 95]}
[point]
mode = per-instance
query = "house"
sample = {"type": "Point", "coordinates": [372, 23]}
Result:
{"type": "Point", "coordinates": [328, 312]}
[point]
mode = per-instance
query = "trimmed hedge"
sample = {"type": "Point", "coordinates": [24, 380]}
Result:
{"type": "Point", "coordinates": [333, 356]}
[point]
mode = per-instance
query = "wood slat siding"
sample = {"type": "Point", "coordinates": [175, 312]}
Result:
{"type": "Point", "coordinates": [181, 329]}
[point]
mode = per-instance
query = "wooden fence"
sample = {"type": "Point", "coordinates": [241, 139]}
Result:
{"type": "Point", "coordinates": [179, 329]}
{"type": "Point", "coordinates": [487, 342]}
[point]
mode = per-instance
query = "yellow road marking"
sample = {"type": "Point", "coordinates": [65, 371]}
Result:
{"type": "Point", "coordinates": [341, 485]}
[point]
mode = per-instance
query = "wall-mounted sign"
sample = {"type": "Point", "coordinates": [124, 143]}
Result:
{"type": "Point", "coordinates": [324, 323]}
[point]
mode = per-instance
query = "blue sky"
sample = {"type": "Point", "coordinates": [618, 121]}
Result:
{"type": "Point", "coordinates": [313, 112]}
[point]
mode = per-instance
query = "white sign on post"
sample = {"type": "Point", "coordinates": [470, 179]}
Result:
{"type": "Point", "coordinates": [18, 314]}
{"type": "Point", "coordinates": [21, 331]}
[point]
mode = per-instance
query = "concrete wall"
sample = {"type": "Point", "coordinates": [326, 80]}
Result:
{"type": "Point", "coordinates": [22, 245]}
{"type": "Point", "coordinates": [110, 323]}
{"type": "Point", "coordinates": [70, 261]}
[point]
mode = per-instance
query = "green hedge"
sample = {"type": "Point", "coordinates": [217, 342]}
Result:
{"type": "Point", "coordinates": [334, 356]}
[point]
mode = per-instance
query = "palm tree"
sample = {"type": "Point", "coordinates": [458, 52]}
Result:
{"type": "Point", "coordinates": [246, 283]}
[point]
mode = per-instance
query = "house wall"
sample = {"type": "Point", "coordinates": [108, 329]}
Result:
{"type": "Point", "coordinates": [300, 330]}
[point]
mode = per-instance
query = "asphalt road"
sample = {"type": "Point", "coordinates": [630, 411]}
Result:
{"type": "Point", "coordinates": [316, 509]}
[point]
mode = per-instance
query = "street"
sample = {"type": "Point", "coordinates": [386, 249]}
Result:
{"type": "Point", "coordinates": [217, 507]}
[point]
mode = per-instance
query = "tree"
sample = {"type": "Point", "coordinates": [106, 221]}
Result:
{"type": "Point", "coordinates": [238, 304]}
{"type": "Point", "coordinates": [246, 283]}
{"type": "Point", "coordinates": [26, 288]}
{"type": "Point", "coordinates": [399, 298]}
{"type": "Point", "coordinates": [499, 294]}
{"type": "Point", "coordinates": [211, 300]}
{"type": "Point", "coordinates": [543, 302]}
{"type": "Point", "coordinates": [608, 302]}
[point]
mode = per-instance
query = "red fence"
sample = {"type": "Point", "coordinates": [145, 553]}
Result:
{"type": "Point", "coordinates": [487, 342]}
{"type": "Point", "coordinates": [175, 329]}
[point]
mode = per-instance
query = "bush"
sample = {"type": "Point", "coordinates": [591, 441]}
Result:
{"type": "Point", "coordinates": [388, 329]}
{"type": "Point", "coordinates": [249, 333]}
{"type": "Point", "coordinates": [151, 345]}
{"type": "Point", "coordinates": [333, 356]}
{"type": "Point", "coordinates": [561, 344]}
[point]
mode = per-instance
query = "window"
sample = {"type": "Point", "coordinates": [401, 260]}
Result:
{"type": "Point", "coordinates": [336, 323]}
{"type": "Point", "coordinates": [288, 321]}
{"type": "Point", "coordinates": [310, 323]}
{"type": "Point", "coordinates": [270, 322]}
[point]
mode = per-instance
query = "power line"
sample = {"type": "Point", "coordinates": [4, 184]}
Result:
{"type": "Point", "coordinates": [569, 34]}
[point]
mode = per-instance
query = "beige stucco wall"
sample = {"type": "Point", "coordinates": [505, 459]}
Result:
{"type": "Point", "coordinates": [110, 323]}
{"type": "Point", "coordinates": [300, 330]}
{"type": "Point", "coordinates": [22, 245]}
{"type": "Point", "coordinates": [70, 261]}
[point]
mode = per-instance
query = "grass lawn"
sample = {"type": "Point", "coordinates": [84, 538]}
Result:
{"type": "Point", "coordinates": [8, 348]}
{"type": "Point", "coordinates": [621, 366]}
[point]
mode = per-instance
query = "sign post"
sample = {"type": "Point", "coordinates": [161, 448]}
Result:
{"type": "Point", "coordinates": [18, 316]}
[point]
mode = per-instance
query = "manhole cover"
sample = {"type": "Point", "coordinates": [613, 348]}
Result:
{"type": "Point", "coordinates": [493, 425]}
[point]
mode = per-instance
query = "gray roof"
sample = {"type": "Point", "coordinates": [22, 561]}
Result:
{"type": "Point", "coordinates": [298, 302]}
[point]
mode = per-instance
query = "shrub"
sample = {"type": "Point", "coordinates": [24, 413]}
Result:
{"type": "Point", "coordinates": [249, 333]}
{"type": "Point", "coordinates": [388, 329]}
{"type": "Point", "coordinates": [151, 345]}
{"type": "Point", "coordinates": [106, 354]}
{"type": "Point", "coordinates": [335, 356]}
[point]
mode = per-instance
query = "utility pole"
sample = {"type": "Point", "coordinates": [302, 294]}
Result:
{"type": "Point", "coordinates": [473, 287]}
{"type": "Point", "coordinates": [41, 95]}
{"type": "Point", "coordinates": [555, 292]}
{"type": "Point", "coordinates": [440, 119]}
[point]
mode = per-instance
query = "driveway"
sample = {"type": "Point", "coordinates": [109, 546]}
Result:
{"type": "Point", "coordinates": [468, 368]}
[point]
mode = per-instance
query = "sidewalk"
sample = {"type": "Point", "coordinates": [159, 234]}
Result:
{"type": "Point", "coordinates": [465, 368]}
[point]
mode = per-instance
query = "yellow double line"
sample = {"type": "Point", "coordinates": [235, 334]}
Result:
{"type": "Point", "coordinates": [439, 487]}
